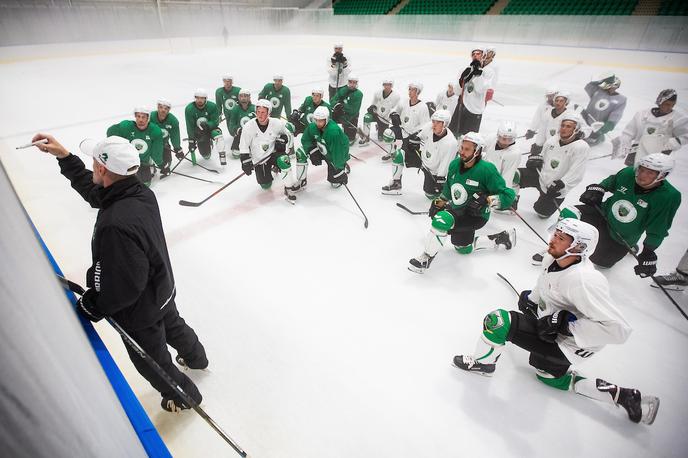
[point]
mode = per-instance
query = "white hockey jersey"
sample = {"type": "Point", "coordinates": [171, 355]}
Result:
{"type": "Point", "coordinates": [412, 117]}
{"type": "Point", "coordinates": [655, 134]}
{"type": "Point", "coordinates": [385, 105]}
{"type": "Point", "coordinates": [506, 160]}
{"type": "Point", "coordinates": [583, 291]}
{"type": "Point", "coordinates": [338, 74]}
{"type": "Point", "coordinates": [543, 110]}
{"type": "Point", "coordinates": [261, 144]}
{"type": "Point", "coordinates": [549, 126]}
{"type": "Point", "coordinates": [436, 155]}
{"type": "Point", "coordinates": [445, 102]}
{"type": "Point", "coordinates": [565, 163]}
{"type": "Point", "coordinates": [475, 90]}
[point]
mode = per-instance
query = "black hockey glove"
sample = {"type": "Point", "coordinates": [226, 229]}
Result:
{"type": "Point", "coordinates": [437, 206]}
{"type": "Point", "coordinates": [525, 305]}
{"type": "Point", "coordinates": [372, 110]}
{"type": "Point", "coordinates": [593, 195]}
{"type": "Point", "coordinates": [439, 183]}
{"type": "Point", "coordinates": [432, 108]}
{"type": "Point", "coordinates": [554, 189]}
{"type": "Point", "coordinates": [548, 327]}
{"type": "Point", "coordinates": [535, 149]}
{"type": "Point", "coordinates": [316, 157]}
{"type": "Point", "coordinates": [414, 140]}
{"type": "Point", "coordinates": [340, 177]}
{"type": "Point", "coordinates": [86, 305]}
{"type": "Point", "coordinates": [395, 118]}
{"type": "Point", "coordinates": [530, 134]}
{"type": "Point", "coordinates": [281, 144]}
{"type": "Point", "coordinates": [164, 170]}
{"type": "Point", "coordinates": [337, 110]}
{"type": "Point", "coordinates": [295, 116]}
{"type": "Point", "coordinates": [246, 163]}
{"type": "Point", "coordinates": [535, 162]}
{"type": "Point", "coordinates": [179, 153]}
{"type": "Point", "coordinates": [192, 146]}
{"type": "Point", "coordinates": [476, 204]}
{"type": "Point", "coordinates": [647, 263]}
{"type": "Point", "coordinates": [475, 64]}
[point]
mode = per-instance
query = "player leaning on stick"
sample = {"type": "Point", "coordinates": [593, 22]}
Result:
{"type": "Point", "coordinates": [202, 126]}
{"type": "Point", "coordinates": [473, 186]}
{"type": "Point", "coordinates": [384, 102]}
{"type": "Point", "coordinates": [567, 318]}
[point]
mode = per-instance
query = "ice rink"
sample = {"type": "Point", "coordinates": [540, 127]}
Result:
{"type": "Point", "coordinates": [321, 343]}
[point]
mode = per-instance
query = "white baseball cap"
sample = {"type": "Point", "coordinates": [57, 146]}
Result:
{"type": "Point", "coordinates": [115, 153]}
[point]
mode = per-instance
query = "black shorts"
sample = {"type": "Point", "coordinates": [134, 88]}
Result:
{"type": "Point", "coordinates": [544, 205]}
{"type": "Point", "coordinates": [411, 154]}
{"type": "Point", "coordinates": [264, 170]}
{"type": "Point", "coordinates": [463, 232]}
{"type": "Point", "coordinates": [608, 251]}
{"type": "Point", "coordinates": [545, 356]}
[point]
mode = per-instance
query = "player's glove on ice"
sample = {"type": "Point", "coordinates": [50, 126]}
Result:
{"type": "Point", "coordinates": [647, 263]}
{"type": "Point", "coordinates": [246, 163]}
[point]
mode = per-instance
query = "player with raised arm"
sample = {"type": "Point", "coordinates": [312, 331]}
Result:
{"type": "Point", "coordinates": [605, 108]}
{"type": "Point", "coordinates": [338, 70]}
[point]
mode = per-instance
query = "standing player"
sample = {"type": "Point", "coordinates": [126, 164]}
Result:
{"type": "Point", "coordinates": [226, 97]}
{"type": "Point", "coordinates": [550, 122]}
{"type": "Point", "coordinates": [407, 119]}
{"type": "Point", "coordinates": [324, 140]}
{"type": "Point", "coordinates": [605, 108]}
{"type": "Point", "coordinates": [568, 317]}
{"type": "Point", "coordinates": [473, 186]}
{"type": "Point", "coordinates": [202, 120]}
{"type": "Point", "coordinates": [279, 95]}
{"type": "Point", "coordinates": [346, 106]}
{"type": "Point", "coordinates": [438, 148]}
{"type": "Point", "coordinates": [169, 126]}
{"type": "Point", "coordinates": [503, 152]}
{"type": "Point", "coordinates": [542, 112]}
{"type": "Point", "coordinates": [678, 279]}
{"type": "Point", "coordinates": [242, 113]}
{"type": "Point", "coordinates": [384, 102]}
{"type": "Point", "coordinates": [146, 138]}
{"type": "Point", "coordinates": [304, 115]}
{"type": "Point", "coordinates": [475, 81]}
{"type": "Point", "coordinates": [263, 147]}
{"type": "Point", "coordinates": [656, 130]}
{"type": "Point", "coordinates": [338, 70]}
{"type": "Point", "coordinates": [560, 167]}
{"type": "Point", "coordinates": [447, 99]}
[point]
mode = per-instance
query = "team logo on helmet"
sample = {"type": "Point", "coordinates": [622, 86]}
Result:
{"type": "Point", "coordinates": [602, 104]}
{"type": "Point", "coordinates": [229, 104]}
{"type": "Point", "coordinates": [554, 163]}
{"type": "Point", "coordinates": [275, 101]}
{"type": "Point", "coordinates": [201, 120]}
{"type": "Point", "coordinates": [459, 194]}
{"type": "Point", "coordinates": [624, 211]}
{"type": "Point", "coordinates": [140, 145]}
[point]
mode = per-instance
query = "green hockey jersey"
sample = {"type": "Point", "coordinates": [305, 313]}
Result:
{"type": "Point", "coordinates": [279, 99]}
{"type": "Point", "coordinates": [194, 116]}
{"type": "Point", "coordinates": [226, 100]}
{"type": "Point", "coordinates": [148, 142]}
{"type": "Point", "coordinates": [238, 117]}
{"type": "Point", "coordinates": [331, 141]}
{"type": "Point", "coordinates": [308, 107]}
{"type": "Point", "coordinates": [351, 99]}
{"type": "Point", "coordinates": [169, 127]}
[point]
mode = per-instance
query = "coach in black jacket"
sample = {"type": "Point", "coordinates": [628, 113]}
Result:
{"type": "Point", "coordinates": [131, 277]}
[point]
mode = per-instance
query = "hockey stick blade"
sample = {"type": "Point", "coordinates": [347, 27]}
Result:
{"type": "Point", "coordinates": [404, 207]}
{"type": "Point", "coordinates": [670, 287]}
{"type": "Point", "coordinates": [186, 203]}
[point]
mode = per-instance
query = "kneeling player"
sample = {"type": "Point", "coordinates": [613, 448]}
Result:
{"type": "Point", "coordinates": [202, 119]}
{"type": "Point", "coordinates": [438, 148]}
{"type": "Point", "coordinates": [384, 102]}
{"type": "Point", "coordinates": [503, 153]}
{"type": "Point", "coordinates": [304, 115]}
{"type": "Point", "coordinates": [472, 187]}
{"type": "Point", "coordinates": [263, 147]}
{"type": "Point", "coordinates": [568, 317]}
{"type": "Point", "coordinates": [241, 113]}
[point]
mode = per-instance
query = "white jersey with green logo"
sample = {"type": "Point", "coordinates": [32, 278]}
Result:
{"type": "Point", "coordinates": [412, 117]}
{"type": "Point", "coordinates": [565, 163]}
{"type": "Point", "coordinates": [261, 144]}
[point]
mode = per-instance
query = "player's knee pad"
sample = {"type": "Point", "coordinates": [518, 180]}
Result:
{"type": "Point", "coordinates": [496, 326]}
{"type": "Point", "coordinates": [442, 222]}
{"type": "Point", "coordinates": [215, 133]}
{"type": "Point", "coordinates": [563, 383]}
{"type": "Point", "coordinates": [266, 185]}
{"type": "Point", "coordinates": [465, 249]}
{"type": "Point", "coordinates": [301, 156]}
{"type": "Point", "coordinates": [398, 157]}
{"type": "Point", "coordinates": [283, 162]}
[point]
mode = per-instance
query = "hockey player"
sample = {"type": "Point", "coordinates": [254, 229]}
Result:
{"type": "Point", "coordinates": [542, 112]}
{"type": "Point", "coordinates": [384, 102]}
{"type": "Point", "coordinates": [503, 152]}
{"type": "Point", "coordinates": [550, 122]}
{"type": "Point", "coordinates": [438, 148]}
{"type": "Point", "coordinates": [475, 82]}
{"type": "Point", "coordinates": [447, 99]}
{"type": "Point", "coordinates": [202, 120]}
{"type": "Point", "coordinates": [147, 138]}
{"type": "Point", "coordinates": [338, 70]}
{"type": "Point", "coordinates": [169, 126]}
{"type": "Point", "coordinates": [473, 186]}
{"type": "Point", "coordinates": [226, 97]}
{"type": "Point", "coordinates": [324, 140]}
{"type": "Point", "coordinates": [407, 119]}
{"type": "Point", "coordinates": [567, 318]}
{"type": "Point", "coordinates": [642, 201]}
{"type": "Point", "coordinates": [605, 109]}
{"type": "Point", "coordinates": [560, 167]}
{"type": "Point", "coordinates": [656, 130]}
{"type": "Point", "coordinates": [304, 115]}
{"type": "Point", "coordinates": [264, 146]}
{"type": "Point", "coordinates": [678, 279]}
{"type": "Point", "coordinates": [346, 106]}
{"type": "Point", "coordinates": [279, 95]}
{"type": "Point", "coordinates": [242, 113]}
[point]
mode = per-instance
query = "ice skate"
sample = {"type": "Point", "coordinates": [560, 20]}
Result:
{"type": "Point", "coordinates": [392, 189]}
{"type": "Point", "coordinates": [468, 364]}
{"type": "Point", "coordinates": [421, 263]}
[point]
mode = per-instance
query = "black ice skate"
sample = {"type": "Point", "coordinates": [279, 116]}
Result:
{"type": "Point", "coordinates": [392, 189]}
{"type": "Point", "coordinates": [199, 363]}
{"type": "Point", "coordinates": [421, 263]}
{"type": "Point", "coordinates": [223, 158]}
{"type": "Point", "coordinates": [386, 158]}
{"type": "Point", "coordinates": [639, 408]}
{"type": "Point", "coordinates": [364, 141]}
{"type": "Point", "coordinates": [290, 193]}
{"type": "Point", "coordinates": [301, 186]}
{"type": "Point", "coordinates": [467, 363]}
{"type": "Point", "coordinates": [674, 281]}
{"type": "Point", "coordinates": [506, 238]}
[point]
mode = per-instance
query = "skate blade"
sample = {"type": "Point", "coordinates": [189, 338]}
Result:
{"type": "Point", "coordinates": [391, 193]}
{"type": "Point", "coordinates": [417, 270]}
{"type": "Point", "coordinates": [512, 236]}
{"type": "Point", "coordinates": [293, 202]}
{"type": "Point", "coordinates": [652, 405]}
{"type": "Point", "coordinates": [483, 374]}
{"type": "Point", "coordinates": [670, 287]}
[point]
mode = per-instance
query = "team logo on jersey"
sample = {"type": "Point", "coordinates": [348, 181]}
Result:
{"type": "Point", "coordinates": [140, 145]}
{"type": "Point", "coordinates": [602, 104]}
{"type": "Point", "coordinates": [264, 146]}
{"type": "Point", "coordinates": [444, 107]}
{"type": "Point", "coordinates": [382, 110]}
{"type": "Point", "coordinates": [469, 87]}
{"type": "Point", "coordinates": [554, 163]}
{"type": "Point", "coordinates": [624, 211]}
{"type": "Point", "coordinates": [651, 130]}
{"type": "Point", "coordinates": [322, 147]}
{"type": "Point", "coordinates": [406, 119]}
{"type": "Point", "coordinates": [459, 194]}
{"type": "Point", "coordinates": [229, 104]}
{"type": "Point", "coordinates": [165, 134]}
{"type": "Point", "coordinates": [428, 154]}
{"type": "Point", "coordinates": [201, 120]}
{"type": "Point", "coordinates": [552, 132]}
{"type": "Point", "coordinates": [244, 120]}
{"type": "Point", "coordinates": [622, 189]}
{"type": "Point", "coordinates": [275, 102]}
{"type": "Point", "coordinates": [309, 117]}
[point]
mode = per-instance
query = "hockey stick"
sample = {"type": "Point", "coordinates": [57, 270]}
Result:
{"type": "Point", "coordinates": [404, 207]}
{"type": "Point", "coordinates": [630, 250]}
{"type": "Point", "coordinates": [529, 226]}
{"type": "Point", "coordinates": [600, 157]}
{"type": "Point", "coordinates": [365, 222]}
{"type": "Point", "coordinates": [188, 400]}
{"type": "Point", "coordinates": [204, 168]}
{"type": "Point", "coordinates": [187, 176]}
{"type": "Point", "coordinates": [508, 283]}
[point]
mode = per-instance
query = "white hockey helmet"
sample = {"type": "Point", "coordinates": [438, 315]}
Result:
{"type": "Point", "coordinates": [551, 90]}
{"type": "Point", "coordinates": [664, 95]}
{"type": "Point", "coordinates": [353, 77]}
{"type": "Point", "coordinates": [142, 109]}
{"type": "Point", "coordinates": [227, 77]}
{"type": "Point", "coordinates": [321, 113]}
{"type": "Point", "coordinates": [585, 237]}
{"type": "Point", "coordinates": [571, 115]}
{"type": "Point", "coordinates": [477, 140]}
{"type": "Point", "coordinates": [658, 162]}
{"type": "Point", "coordinates": [417, 85]}
{"type": "Point", "coordinates": [388, 81]}
{"type": "Point", "coordinates": [245, 91]}
{"type": "Point", "coordinates": [265, 104]}
{"type": "Point", "coordinates": [318, 90]}
{"type": "Point", "coordinates": [507, 130]}
{"type": "Point", "coordinates": [164, 102]}
{"type": "Point", "coordinates": [338, 44]}
{"type": "Point", "coordinates": [200, 92]}
{"type": "Point", "coordinates": [564, 94]}
{"type": "Point", "coordinates": [278, 77]}
{"type": "Point", "coordinates": [442, 116]}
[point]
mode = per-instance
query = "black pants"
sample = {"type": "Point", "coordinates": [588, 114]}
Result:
{"type": "Point", "coordinates": [236, 140]}
{"type": "Point", "coordinates": [264, 170]}
{"type": "Point", "coordinates": [172, 330]}
{"type": "Point", "coordinates": [608, 251]}
{"type": "Point", "coordinates": [166, 155]}
{"type": "Point", "coordinates": [204, 143]}
{"type": "Point", "coordinates": [430, 185]}
{"type": "Point", "coordinates": [411, 154]}
{"type": "Point", "coordinates": [350, 127]}
{"type": "Point", "coordinates": [381, 127]}
{"type": "Point", "coordinates": [463, 232]}
{"type": "Point", "coordinates": [463, 121]}
{"type": "Point", "coordinates": [545, 356]}
{"type": "Point", "coordinates": [545, 205]}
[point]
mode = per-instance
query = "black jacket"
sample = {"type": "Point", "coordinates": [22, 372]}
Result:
{"type": "Point", "coordinates": [131, 269]}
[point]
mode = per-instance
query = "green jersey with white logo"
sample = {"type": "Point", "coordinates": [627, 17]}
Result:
{"type": "Point", "coordinates": [226, 100]}
{"type": "Point", "coordinates": [351, 99]}
{"type": "Point", "coordinates": [169, 127]}
{"type": "Point", "coordinates": [332, 142]}
{"type": "Point", "coordinates": [194, 116]}
{"type": "Point", "coordinates": [279, 99]}
{"type": "Point", "coordinates": [483, 177]}
{"type": "Point", "coordinates": [148, 142]}
{"type": "Point", "coordinates": [630, 210]}
{"type": "Point", "coordinates": [308, 107]}
{"type": "Point", "coordinates": [238, 117]}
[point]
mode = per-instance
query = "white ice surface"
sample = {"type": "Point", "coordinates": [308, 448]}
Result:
{"type": "Point", "coordinates": [322, 344]}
